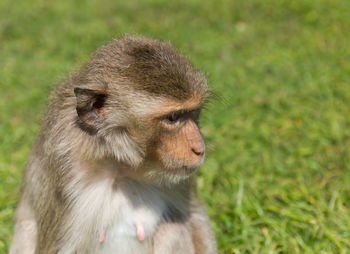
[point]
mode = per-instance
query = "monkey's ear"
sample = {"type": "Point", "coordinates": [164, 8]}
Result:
{"type": "Point", "coordinates": [90, 102]}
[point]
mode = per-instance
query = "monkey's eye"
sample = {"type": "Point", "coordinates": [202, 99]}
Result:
{"type": "Point", "coordinates": [174, 117]}
{"type": "Point", "coordinates": [195, 114]}
{"type": "Point", "coordinates": [181, 116]}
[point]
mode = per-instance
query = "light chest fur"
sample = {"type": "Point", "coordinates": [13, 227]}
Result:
{"type": "Point", "coordinates": [105, 214]}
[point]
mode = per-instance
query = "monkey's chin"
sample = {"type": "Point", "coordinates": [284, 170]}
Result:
{"type": "Point", "coordinates": [184, 170]}
{"type": "Point", "coordinates": [168, 175]}
{"type": "Point", "coordinates": [176, 175]}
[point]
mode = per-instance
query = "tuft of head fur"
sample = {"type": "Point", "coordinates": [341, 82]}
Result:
{"type": "Point", "coordinates": [147, 65]}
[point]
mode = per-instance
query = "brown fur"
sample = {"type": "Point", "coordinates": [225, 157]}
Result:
{"type": "Point", "coordinates": [105, 124]}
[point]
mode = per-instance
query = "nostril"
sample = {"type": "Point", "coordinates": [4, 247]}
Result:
{"type": "Point", "coordinates": [197, 152]}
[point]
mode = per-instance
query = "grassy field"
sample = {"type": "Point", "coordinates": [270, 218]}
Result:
{"type": "Point", "coordinates": [277, 176]}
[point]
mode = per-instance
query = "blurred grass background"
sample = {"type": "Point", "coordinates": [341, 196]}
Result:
{"type": "Point", "coordinates": [277, 176]}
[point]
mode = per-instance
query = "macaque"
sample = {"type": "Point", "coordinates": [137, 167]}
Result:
{"type": "Point", "coordinates": [112, 169]}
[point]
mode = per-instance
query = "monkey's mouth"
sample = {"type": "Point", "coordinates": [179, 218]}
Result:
{"type": "Point", "coordinates": [184, 169]}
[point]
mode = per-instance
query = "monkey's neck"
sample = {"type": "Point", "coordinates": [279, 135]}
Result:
{"type": "Point", "coordinates": [113, 173]}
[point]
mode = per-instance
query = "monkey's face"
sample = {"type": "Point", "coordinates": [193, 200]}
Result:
{"type": "Point", "coordinates": [178, 145]}
{"type": "Point", "coordinates": [152, 134]}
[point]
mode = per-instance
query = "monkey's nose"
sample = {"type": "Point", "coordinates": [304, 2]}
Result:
{"type": "Point", "coordinates": [198, 152]}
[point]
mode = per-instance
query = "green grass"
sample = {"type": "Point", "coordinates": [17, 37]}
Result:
{"type": "Point", "coordinates": [277, 176]}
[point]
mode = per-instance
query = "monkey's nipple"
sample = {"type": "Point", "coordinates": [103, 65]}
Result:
{"type": "Point", "coordinates": [102, 237]}
{"type": "Point", "coordinates": [140, 232]}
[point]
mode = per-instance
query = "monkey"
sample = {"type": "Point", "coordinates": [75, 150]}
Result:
{"type": "Point", "coordinates": [112, 169]}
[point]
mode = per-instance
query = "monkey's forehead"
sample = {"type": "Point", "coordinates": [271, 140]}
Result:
{"type": "Point", "coordinates": [152, 66]}
{"type": "Point", "coordinates": [169, 83]}
{"type": "Point", "coordinates": [155, 107]}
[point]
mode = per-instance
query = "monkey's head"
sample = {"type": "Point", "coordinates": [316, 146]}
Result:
{"type": "Point", "coordinates": [139, 100]}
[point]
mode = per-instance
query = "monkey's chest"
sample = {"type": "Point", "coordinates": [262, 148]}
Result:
{"type": "Point", "coordinates": [132, 229]}
{"type": "Point", "coordinates": [126, 220]}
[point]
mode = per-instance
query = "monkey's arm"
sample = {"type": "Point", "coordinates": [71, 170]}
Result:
{"type": "Point", "coordinates": [24, 240]}
{"type": "Point", "coordinates": [203, 237]}
{"type": "Point", "coordinates": [202, 234]}
{"type": "Point", "coordinates": [173, 238]}
{"type": "Point", "coordinates": [26, 228]}
{"type": "Point", "coordinates": [193, 237]}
